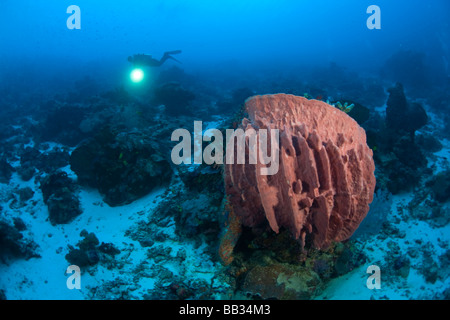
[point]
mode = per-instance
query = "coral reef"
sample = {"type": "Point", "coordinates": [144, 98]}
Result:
{"type": "Point", "coordinates": [20, 197]}
{"type": "Point", "coordinates": [325, 180]}
{"type": "Point", "coordinates": [13, 244]}
{"type": "Point", "coordinates": [340, 83]}
{"type": "Point", "coordinates": [89, 252]}
{"type": "Point", "coordinates": [237, 99]}
{"type": "Point", "coordinates": [440, 186]}
{"type": "Point", "coordinates": [280, 281]}
{"type": "Point", "coordinates": [6, 171]}
{"type": "Point", "coordinates": [118, 96]}
{"type": "Point", "coordinates": [60, 122]}
{"type": "Point", "coordinates": [175, 74]}
{"type": "Point", "coordinates": [195, 215]}
{"type": "Point", "coordinates": [123, 166]}
{"type": "Point", "coordinates": [346, 107]}
{"type": "Point", "coordinates": [355, 110]}
{"type": "Point", "coordinates": [175, 98]}
{"type": "Point", "coordinates": [269, 266]}
{"type": "Point", "coordinates": [229, 239]}
{"type": "Point", "coordinates": [31, 159]}
{"type": "Point", "coordinates": [187, 241]}
{"type": "Point", "coordinates": [60, 195]}
{"type": "Point", "coordinates": [400, 161]}
{"type": "Point", "coordinates": [428, 143]}
{"type": "Point", "coordinates": [202, 177]}
{"type": "Point", "coordinates": [402, 115]}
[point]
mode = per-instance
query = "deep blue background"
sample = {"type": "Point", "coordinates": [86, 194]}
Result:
{"type": "Point", "coordinates": [215, 36]}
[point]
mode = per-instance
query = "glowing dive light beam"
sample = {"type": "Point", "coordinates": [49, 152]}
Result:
{"type": "Point", "coordinates": [137, 75]}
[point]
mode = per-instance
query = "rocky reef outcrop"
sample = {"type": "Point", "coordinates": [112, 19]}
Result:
{"type": "Point", "coordinates": [60, 194]}
{"type": "Point", "coordinates": [123, 166]}
{"type": "Point", "coordinates": [175, 98]}
{"type": "Point", "coordinates": [402, 115]}
{"type": "Point", "coordinates": [13, 243]}
{"type": "Point", "coordinates": [401, 161]}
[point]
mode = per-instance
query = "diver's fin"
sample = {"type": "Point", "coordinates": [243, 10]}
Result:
{"type": "Point", "coordinates": [170, 57]}
{"type": "Point", "coordinates": [167, 55]}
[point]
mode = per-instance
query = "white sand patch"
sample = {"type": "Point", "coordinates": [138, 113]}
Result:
{"type": "Point", "coordinates": [352, 286]}
{"type": "Point", "coordinates": [44, 277]}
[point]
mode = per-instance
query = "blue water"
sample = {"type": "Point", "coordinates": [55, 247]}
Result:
{"type": "Point", "coordinates": [258, 35]}
{"type": "Point", "coordinates": [59, 86]}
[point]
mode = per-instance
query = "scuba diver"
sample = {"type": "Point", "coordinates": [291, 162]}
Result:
{"type": "Point", "coordinates": [147, 60]}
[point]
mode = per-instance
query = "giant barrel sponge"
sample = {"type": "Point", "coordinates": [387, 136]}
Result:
{"type": "Point", "coordinates": [325, 181]}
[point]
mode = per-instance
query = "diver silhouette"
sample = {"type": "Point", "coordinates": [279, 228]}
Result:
{"type": "Point", "coordinates": [147, 60]}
